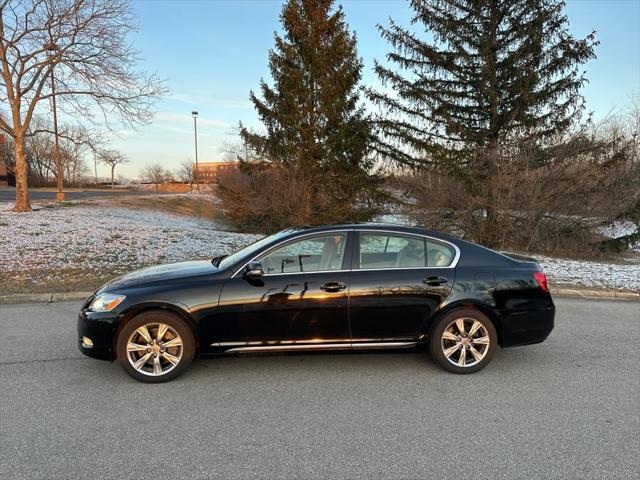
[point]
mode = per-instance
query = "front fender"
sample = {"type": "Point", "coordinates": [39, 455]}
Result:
{"type": "Point", "coordinates": [178, 308]}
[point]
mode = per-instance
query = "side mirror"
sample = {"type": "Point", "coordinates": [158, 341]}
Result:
{"type": "Point", "coordinates": [254, 270]}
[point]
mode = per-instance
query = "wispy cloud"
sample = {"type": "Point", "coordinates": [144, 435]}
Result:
{"type": "Point", "coordinates": [184, 131]}
{"type": "Point", "coordinates": [184, 119]}
{"type": "Point", "coordinates": [196, 100]}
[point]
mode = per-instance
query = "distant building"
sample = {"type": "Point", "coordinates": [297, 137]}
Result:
{"type": "Point", "coordinates": [208, 172]}
{"type": "Point", "coordinates": [4, 173]}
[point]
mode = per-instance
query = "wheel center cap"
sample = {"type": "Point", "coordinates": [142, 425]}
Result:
{"type": "Point", "coordinates": [464, 342]}
{"type": "Point", "coordinates": [155, 348]}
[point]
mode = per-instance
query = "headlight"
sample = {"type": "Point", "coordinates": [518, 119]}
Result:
{"type": "Point", "coordinates": [106, 302]}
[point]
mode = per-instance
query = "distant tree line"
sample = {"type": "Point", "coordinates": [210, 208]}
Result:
{"type": "Point", "coordinates": [480, 129]}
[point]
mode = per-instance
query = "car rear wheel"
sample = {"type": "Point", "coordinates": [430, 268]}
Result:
{"type": "Point", "coordinates": [155, 346]}
{"type": "Point", "coordinates": [463, 341]}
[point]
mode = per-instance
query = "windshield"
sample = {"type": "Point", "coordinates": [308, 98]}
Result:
{"type": "Point", "coordinates": [249, 250]}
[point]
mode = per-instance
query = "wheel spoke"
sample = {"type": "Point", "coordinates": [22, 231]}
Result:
{"type": "Point", "coordinates": [141, 361]}
{"type": "Point", "coordinates": [157, 368]}
{"type": "Point", "coordinates": [475, 327]}
{"type": "Point", "coordinates": [462, 361]}
{"type": "Point", "coordinates": [476, 354]}
{"type": "Point", "coordinates": [171, 358]}
{"type": "Point", "coordinates": [136, 347]}
{"type": "Point", "coordinates": [447, 335]}
{"type": "Point", "coordinates": [480, 341]}
{"type": "Point", "coordinates": [449, 351]}
{"type": "Point", "coordinates": [174, 342]}
{"type": "Point", "coordinates": [144, 333]}
{"type": "Point", "coordinates": [162, 330]}
{"type": "Point", "coordinates": [148, 348]}
{"type": "Point", "coordinates": [460, 325]}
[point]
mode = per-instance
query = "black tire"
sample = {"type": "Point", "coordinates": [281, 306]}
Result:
{"type": "Point", "coordinates": [154, 317]}
{"type": "Point", "coordinates": [437, 344]}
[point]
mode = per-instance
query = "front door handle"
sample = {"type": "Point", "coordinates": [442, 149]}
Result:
{"type": "Point", "coordinates": [333, 286]}
{"type": "Point", "coordinates": [435, 281]}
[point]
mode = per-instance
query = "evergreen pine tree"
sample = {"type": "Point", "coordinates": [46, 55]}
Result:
{"type": "Point", "coordinates": [315, 124]}
{"type": "Point", "coordinates": [488, 72]}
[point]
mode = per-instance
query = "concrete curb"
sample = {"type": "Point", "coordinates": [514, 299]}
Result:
{"type": "Point", "coordinates": [556, 292]}
{"type": "Point", "coordinates": [595, 294]}
{"type": "Point", "coordinates": [43, 297]}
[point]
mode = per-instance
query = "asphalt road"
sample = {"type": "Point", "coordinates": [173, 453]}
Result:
{"type": "Point", "coordinates": [9, 194]}
{"type": "Point", "coordinates": [567, 408]}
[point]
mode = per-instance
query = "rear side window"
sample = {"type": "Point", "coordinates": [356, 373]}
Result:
{"type": "Point", "coordinates": [439, 254]}
{"type": "Point", "coordinates": [380, 250]}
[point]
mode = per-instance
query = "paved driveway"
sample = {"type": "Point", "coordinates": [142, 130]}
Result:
{"type": "Point", "coordinates": [568, 408]}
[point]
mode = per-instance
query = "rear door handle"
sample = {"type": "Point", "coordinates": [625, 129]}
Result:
{"type": "Point", "coordinates": [333, 286]}
{"type": "Point", "coordinates": [435, 281]}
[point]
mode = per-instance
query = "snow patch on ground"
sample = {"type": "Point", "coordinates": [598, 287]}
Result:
{"type": "Point", "coordinates": [618, 228]}
{"type": "Point", "coordinates": [100, 238]}
{"type": "Point", "coordinates": [592, 274]}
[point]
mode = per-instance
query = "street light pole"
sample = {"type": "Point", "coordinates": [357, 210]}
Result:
{"type": "Point", "coordinates": [52, 47]}
{"type": "Point", "coordinates": [95, 165]}
{"type": "Point", "coordinates": [195, 135]}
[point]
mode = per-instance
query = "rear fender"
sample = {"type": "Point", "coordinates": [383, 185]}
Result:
{"type": "Point", "coordinates": [482, 307]}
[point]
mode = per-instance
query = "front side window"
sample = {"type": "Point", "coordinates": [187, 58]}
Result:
{"type": "Point", "coordinates": [249, 250]}
{"type": "Point", "coordinates": [316, 254]}
{"type": "Point", "coordinates": [380, 250]}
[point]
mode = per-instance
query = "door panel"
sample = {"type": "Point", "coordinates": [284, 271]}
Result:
{"type": "Point", "coordinates": [303, 297]}
{"type": "Point", "coordinates": [393, 304]}
{"type": "Point", "coordinates": [286, 308]}
{"type": "Point", "coordinates": [393, 291]}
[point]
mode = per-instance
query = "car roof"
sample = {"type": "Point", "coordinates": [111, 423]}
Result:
{"type": "Point", "coordinates": [373, 226]}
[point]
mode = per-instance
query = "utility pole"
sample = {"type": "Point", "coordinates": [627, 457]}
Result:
{"type": "Point", "coordinates": [52, 47]}
{"type": "Point", "coordinates": [195, 134]}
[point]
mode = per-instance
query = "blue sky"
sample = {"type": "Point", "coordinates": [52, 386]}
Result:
{"type": "Point", "coordinates": [212, 52]}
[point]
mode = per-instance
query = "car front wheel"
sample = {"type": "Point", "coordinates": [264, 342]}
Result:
{"type": "Point", "coordinates": [155, 346]}
{"type": "Point", "coordinates": [463, 341]}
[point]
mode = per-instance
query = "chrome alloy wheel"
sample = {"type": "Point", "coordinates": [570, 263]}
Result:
{"type": "Point", "coordinates": [465, 342]}
{"type": "Point", "coordinates": [154, 349]}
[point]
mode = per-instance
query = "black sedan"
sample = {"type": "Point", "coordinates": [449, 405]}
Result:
{"type": "Point", "coordinates": [322, 288]}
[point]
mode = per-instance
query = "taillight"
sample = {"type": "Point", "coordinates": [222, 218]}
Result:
{"type": "Point", "coordinates": [541, 278]}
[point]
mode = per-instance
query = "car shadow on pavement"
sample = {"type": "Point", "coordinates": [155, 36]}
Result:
{"type": "Point", "coordinates": [323, 365]}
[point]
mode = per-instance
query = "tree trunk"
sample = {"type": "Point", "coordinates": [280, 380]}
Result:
{"type": "Point", "coordinates": [22, 188]}
{"type": "Point", "coordinates": [490, 161]}
{"type": "Point", "coordinates": [113, 167]}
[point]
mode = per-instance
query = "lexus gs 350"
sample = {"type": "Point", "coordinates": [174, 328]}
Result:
{"type": "Point", "coordinates": [337, 287]}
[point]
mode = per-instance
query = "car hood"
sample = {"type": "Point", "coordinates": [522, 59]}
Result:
{"type": "Point", "coordinates": [164, 272]}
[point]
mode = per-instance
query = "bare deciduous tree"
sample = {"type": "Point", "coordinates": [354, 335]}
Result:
{"type": "Point", "coordinates": [154, 173]}
{"type": "Point", "coordinates": [84, 42]}
{"type": "Point", "coordinates": [112, 158]}
{"type": "Point", "coordinates": [40, 157]}
{"type": "Point", "coordinates": [184, 173]}
{"type": "Point", "coordinates": [75, 141]}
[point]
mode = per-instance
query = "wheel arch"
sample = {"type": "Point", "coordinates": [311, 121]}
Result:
{"type": "Point", "coordinates": [179, 310]}
{"type": "Point", "coordinates": [482, 307]}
